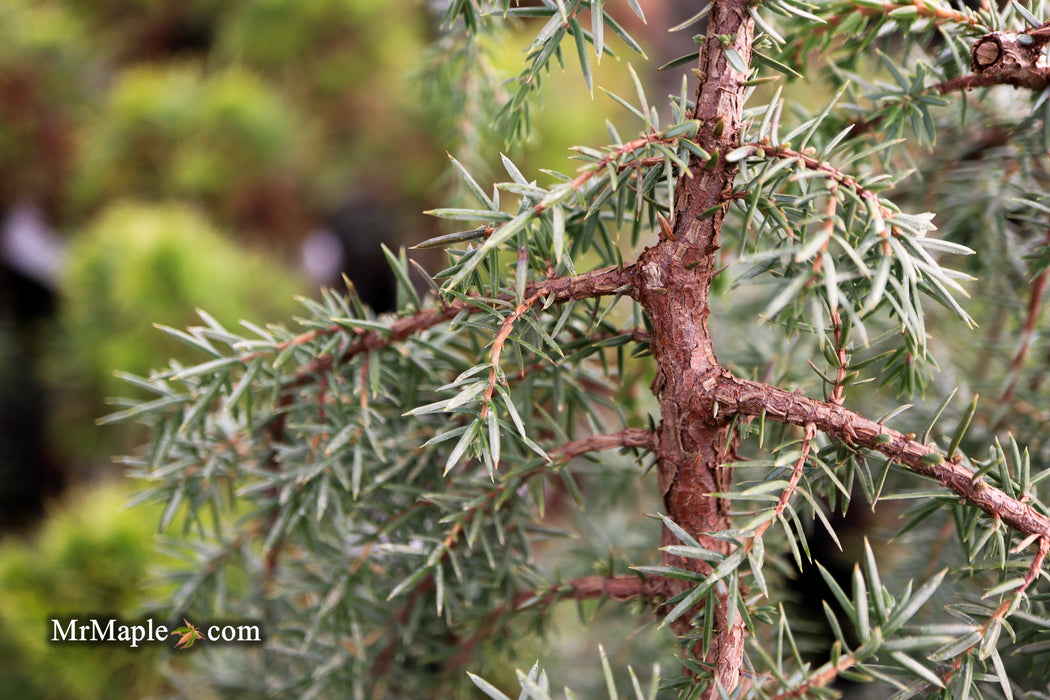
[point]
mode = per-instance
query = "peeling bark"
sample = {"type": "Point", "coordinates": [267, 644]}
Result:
{"type": "Point", "coordinates": [674, 280]}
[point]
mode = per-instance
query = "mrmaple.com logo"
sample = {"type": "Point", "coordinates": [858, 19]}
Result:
{"type": "Point", "coordinates": [113, 631]}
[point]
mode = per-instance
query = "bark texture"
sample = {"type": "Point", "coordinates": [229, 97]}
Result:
{"type": "Point", "coordinates": [749, 398]}
{"type": "Point", "coordinates": [1006, 58]}
{"type": "Point", "coordinates": [674, 277]}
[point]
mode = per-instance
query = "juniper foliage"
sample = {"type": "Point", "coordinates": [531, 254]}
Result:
{"type": "Point", "coordinates": [842, 205]}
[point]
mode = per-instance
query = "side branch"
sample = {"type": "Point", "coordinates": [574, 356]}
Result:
{"type": "Point", "coordinates": [618, 588]}
{"type": "Point", "coordinates": [810, 163]}
{"type": "Point", "coordinates": [1006, 58]}
{"type": "Point", "coordinates": [1032, 79]}
{"type": "Point", "coordinates": [497, 347]}
{"type": "Point", "coordinates": [749, 398]}
{"type": "Point", "coordinates": [605, 281]}
{"type": "Point", "coordinates": [596, 283]}
{"type": "Point", "coordinates": [1035, 300]}
{"type": "Point", "coordinates": [937, 15]}
{"type": "Point", "coordinates": [630, 437]}
{"type": "Point", "coordinates": [790, 489]}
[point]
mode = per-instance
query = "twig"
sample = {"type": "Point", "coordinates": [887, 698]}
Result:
{"type": "Point", "coordinates": [1029, 578]}
{"type": "Point", "coordinates": [497, 347]}
{"type": "Point", "coordinates": [618, 588]}
{"type": "Point", "coordinates": [1004, 608]}
{"type": "Point", "coordinates": [1035, 301]}
{"type": "Point", "coordinates": [789, 490]}
{"type": "Point", "coordinates": [629, 437]}
{"type": "Point", "coordinates": [596, 283]}
{"type": "Point", "coordinates": [827, 673]}
{"type": "Point", "coordinates": [732, 636]}
{"type": "Point", "coordinates": [638, 335]}
{"type": "Point", "coordinates": [939, 15]}
{"type": "Point", "coordinates": [837, 393]}
{"type": "Point", "coordinates": [820, 678]}
{"type": "Point", "coordinates": [275, 434]}
{"type": "Point", "coordinates": [599, 166]}
{"type": "Point", "coordinates": [605, 281]}
{"type": "Point", "coordinates": [808, 161]}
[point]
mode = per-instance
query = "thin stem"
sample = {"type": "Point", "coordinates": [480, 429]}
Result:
{"type": "Point", "coordinates": [785, 496]}
{"type": "Point", "coordinates": [838, 392]}
{"type": "Point", "coordinates": [497, 347]}
{"type": "Point", "coordinates": [618, 588]}
{"type": "Point", "coordinates": [810, 163]}
{"type": "Point", "coordinates": [1035, 301]}
{"type": "Point", "coordinates": [1004, 608]}
{"type": "Point", "coordinates": [630, 437]}
{"type": "Point", "coordinates": [820, 678]}
{"type": "Point", "coordinates": [939, 15]}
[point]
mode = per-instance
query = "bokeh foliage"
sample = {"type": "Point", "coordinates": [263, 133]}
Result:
{"type": "Point", "coordinates": [91, 557]}
{"type": "Point", "coordinates": [136, 265]}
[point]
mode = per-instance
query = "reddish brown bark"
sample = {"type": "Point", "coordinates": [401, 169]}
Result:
{"type": "Point", "coordinates": [674, 277]}
{"type": "Point", "coordinates": [754, 399]}
{"type": "Point", "coordinates": [698, 398]}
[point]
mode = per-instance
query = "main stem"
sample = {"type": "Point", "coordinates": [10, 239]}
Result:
{"type": "Point", "coordinates": [675, 277]}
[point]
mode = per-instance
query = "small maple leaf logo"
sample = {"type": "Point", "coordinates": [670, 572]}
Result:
{"type": "Point", "coordinates": [188, 635]}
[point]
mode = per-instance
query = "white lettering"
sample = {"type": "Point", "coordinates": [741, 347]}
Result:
{"type": "Point", "coordinates": [230, 633]}
{"type": "Point", "coordinates": [100, 634]}
{"type": "Point", "coordinates": [138, 633]}
{"type": "Point", "coordinates": [112, 630]}
{"type": "Point", "coordinates": [67, 635]}
{"type": "Point", "coordinates": [249, 633]}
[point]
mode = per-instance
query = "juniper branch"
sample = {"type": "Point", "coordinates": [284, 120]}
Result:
{"type": "Point", "coordinates": [606, 281]}
{"type": "Point", "coordinates": [937, 15]}
{"type": "Point", "coordinates": [618, 588]}
{"type": "Point", "coordinates": [749, 398]}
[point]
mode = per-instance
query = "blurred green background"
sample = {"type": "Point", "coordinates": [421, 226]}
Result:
{"type": "Point", "coordinates": [158, 156]}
